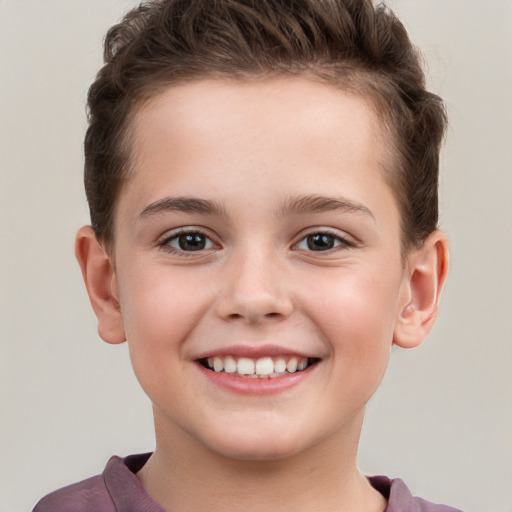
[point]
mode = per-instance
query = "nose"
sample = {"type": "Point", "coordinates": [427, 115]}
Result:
{"type": "Point", "coordinates": [255, 289]}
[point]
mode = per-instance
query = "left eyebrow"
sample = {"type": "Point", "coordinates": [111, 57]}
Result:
{"type": "Point", "coordinates": [319, 203]}
{"type": "Point", "coordinates": [184, 205]}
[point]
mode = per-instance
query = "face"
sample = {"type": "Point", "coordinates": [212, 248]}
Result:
{"type": "Point", "coordinates": [258, 264]}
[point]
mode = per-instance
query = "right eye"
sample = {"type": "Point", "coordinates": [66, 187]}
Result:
{"type": "Point", "coordinates": [187, 241]}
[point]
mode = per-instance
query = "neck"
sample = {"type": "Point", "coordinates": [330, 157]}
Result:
{"type": "Point", "coordinates": [184, 475]}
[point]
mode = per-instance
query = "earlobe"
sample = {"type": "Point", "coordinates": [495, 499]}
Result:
{"type": "Point", "coordinates": [100, 280]}
{"type": "Point", "coordinates": [424, 278]}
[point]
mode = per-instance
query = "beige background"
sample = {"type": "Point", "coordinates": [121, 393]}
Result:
{"type": "Point", "coordinates": [442, 418]}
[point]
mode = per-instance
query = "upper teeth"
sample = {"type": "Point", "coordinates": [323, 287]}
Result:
{"type": "Point", "coordinates": [263, 367]}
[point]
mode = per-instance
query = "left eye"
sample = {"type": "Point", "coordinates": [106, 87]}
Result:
{"type": "Point", "coordinates": [321, 242]}
{"type": "Point", "coordinates": [189, 242]}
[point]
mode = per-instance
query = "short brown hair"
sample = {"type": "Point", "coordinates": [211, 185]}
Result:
{"type": "Point", "coordinates": [351, 43]}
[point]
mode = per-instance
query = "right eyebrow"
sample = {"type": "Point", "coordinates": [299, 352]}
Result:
{"type": "Point", "coordinates": [184, 205]}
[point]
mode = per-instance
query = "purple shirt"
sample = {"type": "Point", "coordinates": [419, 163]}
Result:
{"type": "Point", "coordinates": [119, 490]}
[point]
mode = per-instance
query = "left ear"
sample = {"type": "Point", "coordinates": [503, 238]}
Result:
{"type": "Point", "coordinates": [424, 277]}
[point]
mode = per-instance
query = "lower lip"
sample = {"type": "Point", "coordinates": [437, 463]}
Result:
{"type": "Point", "coordinates": [256, 386]}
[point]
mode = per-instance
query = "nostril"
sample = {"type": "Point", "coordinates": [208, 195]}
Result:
{"type": "Point", "coordinates": [252, 318]}
{"type": "Point", "coordinates": [253, 306]}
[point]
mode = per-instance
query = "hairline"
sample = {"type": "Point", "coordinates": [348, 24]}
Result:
{"type": "Point", "coordinates": [358, 82]}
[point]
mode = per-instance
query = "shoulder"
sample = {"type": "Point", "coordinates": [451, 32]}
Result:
{"type": "Point", "coordinates": [400, 498]}
{"type": "Point", "coordinates": [117, 488]}
{"type": "Point", "coordinates": [87, 495]}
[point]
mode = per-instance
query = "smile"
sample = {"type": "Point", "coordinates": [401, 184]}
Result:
{"type": "Point", "coordinates": [261, 368]}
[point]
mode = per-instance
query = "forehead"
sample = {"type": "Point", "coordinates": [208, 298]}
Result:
{"type": "Point", "coordinates": [290, 109]}
{"type": "Point", "coordinates": [283, 133]}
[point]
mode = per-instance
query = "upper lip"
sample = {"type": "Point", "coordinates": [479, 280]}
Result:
{"type": "Point", "coordinates": [253, 352]}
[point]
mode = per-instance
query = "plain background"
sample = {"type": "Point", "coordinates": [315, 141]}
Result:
{"type": "Point", "coordinates": [442, 417]}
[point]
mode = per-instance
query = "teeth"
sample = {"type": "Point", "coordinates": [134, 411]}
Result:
{"type": "Point", "coordinates": [303, 364]}
{"type": "Point", "coordinates": [230, 365]}
{"type": "Point", "coordinates": [218, 364]}
{"type": "Point", "coordinates": [292, 364]}
{"type": "Point", "coordinates": [245, 366]}
{"type": "Point", "coordinates": [265, 367]}
{"type": "Point", "coordinates": [280, 365]}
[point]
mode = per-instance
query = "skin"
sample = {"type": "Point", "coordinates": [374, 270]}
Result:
{"type": "Point", "coordinates": [259, 152]}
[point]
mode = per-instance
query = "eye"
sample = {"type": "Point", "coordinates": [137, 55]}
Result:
{"type": "Point", "coordinates": [322, 241]}
{"type": "Point", "coordinates": [187, 241]}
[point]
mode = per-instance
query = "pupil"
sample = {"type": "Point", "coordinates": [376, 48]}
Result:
{"type": "Point", "coordinates": [192, 242]}
{"type": "Point", "coordinates": [320, 242]}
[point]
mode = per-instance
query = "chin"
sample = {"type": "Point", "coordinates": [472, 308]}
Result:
{"type": "Point", "coordinates": [261, 453]}
{"type": "Point", "coordinates": [259, 445]}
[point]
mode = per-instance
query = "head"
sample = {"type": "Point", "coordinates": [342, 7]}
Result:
{"type": "Point", "coordinates": [350, 44]}
{"type": "Point", "coordinates": [262, 178]}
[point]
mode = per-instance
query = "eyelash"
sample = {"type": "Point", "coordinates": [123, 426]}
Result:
{"type": "Point", "coordinates": [342, 242]}
{"type": "Point", "coordinates": [165, 243]}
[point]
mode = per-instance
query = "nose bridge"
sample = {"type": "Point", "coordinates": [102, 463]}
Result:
{"type": "Point", "coordinates": [255, 285]}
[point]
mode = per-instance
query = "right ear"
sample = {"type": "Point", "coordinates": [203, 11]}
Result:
{"type": "Point", "coordinates": [100, 280]}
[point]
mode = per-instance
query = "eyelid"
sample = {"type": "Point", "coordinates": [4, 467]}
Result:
{"type": "Point", "coordinates": [345, 240]}
{"type": "Point", "coordinates": [163, 241]}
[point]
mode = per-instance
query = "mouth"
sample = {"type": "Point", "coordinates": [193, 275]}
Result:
{"type": "Point", "coordinates": [261, 368]}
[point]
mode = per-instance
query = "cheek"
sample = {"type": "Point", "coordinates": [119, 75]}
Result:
{"type": "Point", "coordinates": [360, 302]}
{"type": "Point", "coordinates": [356, 318]}
{"type": "Point", "coordinates": [159, 303]}
{"type": "Point", "coordinates": [159, 312]}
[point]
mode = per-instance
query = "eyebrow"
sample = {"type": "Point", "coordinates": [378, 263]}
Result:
{"type": "Point", "coordinates": [299, 205]}
{"type": "Point", "coordinates": [184, 205]}
{"type": "Point", "coordinates": [319, 203]}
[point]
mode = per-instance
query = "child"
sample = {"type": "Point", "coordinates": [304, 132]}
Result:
{"type": "Point", "coordinates": [262, 181]}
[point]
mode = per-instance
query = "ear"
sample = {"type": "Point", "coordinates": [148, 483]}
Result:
{"type": "Point", "coordinates": [424, 277]}
{"type": "Point", "coordinates": [100, 280]}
